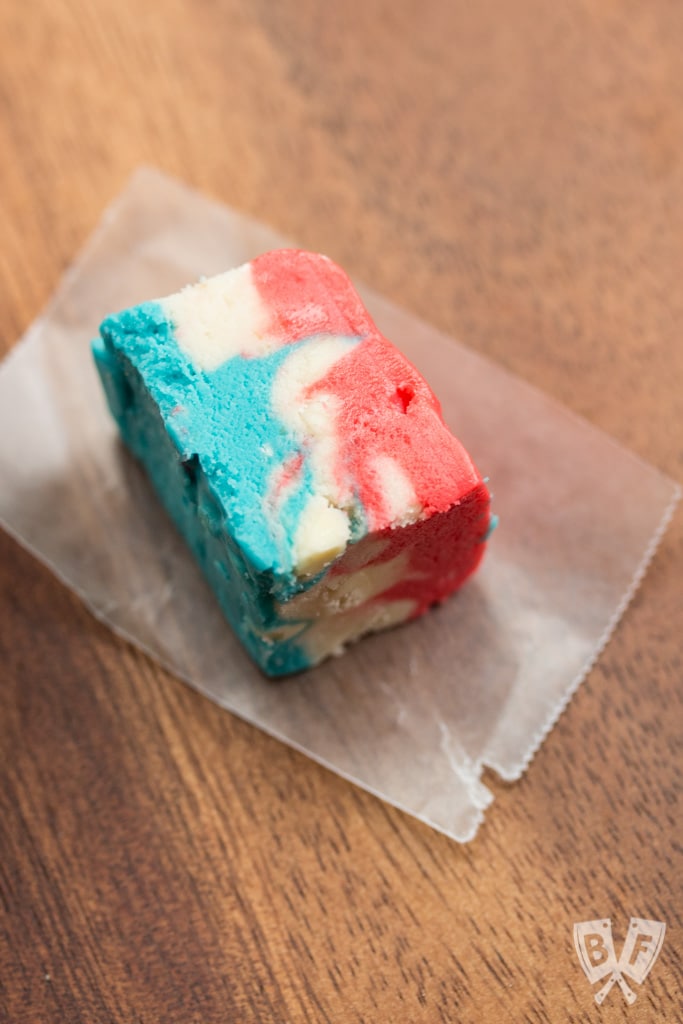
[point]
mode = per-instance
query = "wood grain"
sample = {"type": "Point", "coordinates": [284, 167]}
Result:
{"type": "Point", "coordinates": [513, 173]}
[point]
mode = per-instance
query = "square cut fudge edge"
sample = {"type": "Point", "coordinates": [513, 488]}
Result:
{"type": "Point", "coordinates": [300, 454]}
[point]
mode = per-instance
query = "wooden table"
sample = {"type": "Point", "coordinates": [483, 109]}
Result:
{"type": "Point", "coordinates": [512, 172]}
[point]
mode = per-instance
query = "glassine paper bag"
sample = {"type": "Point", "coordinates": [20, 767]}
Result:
{"type": "Point", "coordinates": [412, 715]}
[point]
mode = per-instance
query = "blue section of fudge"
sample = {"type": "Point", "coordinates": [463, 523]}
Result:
{"type": "Point", "coordinates": [204, 456]}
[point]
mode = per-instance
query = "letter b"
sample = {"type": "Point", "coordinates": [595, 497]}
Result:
{"type": "Point", "coordinates": [596, 950]}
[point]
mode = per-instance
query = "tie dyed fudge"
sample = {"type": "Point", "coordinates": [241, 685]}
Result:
{"type": "Point", "coordinates": [303, 458]}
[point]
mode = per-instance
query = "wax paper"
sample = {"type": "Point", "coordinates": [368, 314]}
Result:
{"type": "Point", "coordinates": [415, 714]}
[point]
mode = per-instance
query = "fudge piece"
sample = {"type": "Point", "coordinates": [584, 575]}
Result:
{"type": "Point", "coordinates": [303, 458]}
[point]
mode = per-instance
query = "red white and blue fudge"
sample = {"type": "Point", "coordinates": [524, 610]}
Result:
{"type": "Point", "coordinates": [303, 458]}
